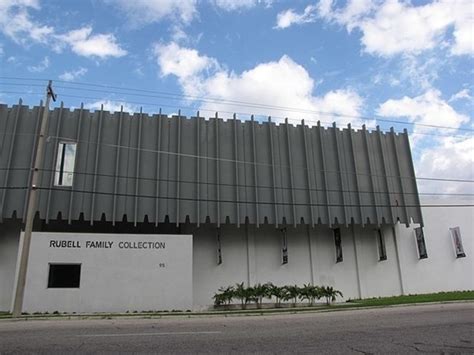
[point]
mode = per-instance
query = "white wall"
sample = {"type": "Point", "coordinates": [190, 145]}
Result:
{"type": "Point", "coordinates": [254, 256]}
{"type": "Point", "coordinates": [441, 271]}
{"type": "Point", "coordinates": [358, 276]}
{"type": "Point", "coordinates": [9, 237]}
{"type": "Point", "coordinates": [114, 279]}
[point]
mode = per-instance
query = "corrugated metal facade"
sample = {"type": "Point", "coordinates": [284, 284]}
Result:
{"type": "Point", "coordinates": [155, 168]}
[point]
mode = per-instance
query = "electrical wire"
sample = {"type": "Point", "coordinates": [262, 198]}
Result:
{"type": "Point", "coordinates": [237, 103]}
{"type": "Point", "coordinates": [195, 108]}
{"type": "Point", "coordinates": [208, 183]}
{"type": "Point", "coordinates": [243, 202]}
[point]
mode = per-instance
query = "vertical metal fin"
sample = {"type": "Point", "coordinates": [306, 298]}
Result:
{"type": "Point", "coordinates": [218, 173]}
{"type": "Point", "coordinates": [255, 173]}
{"type": "Point", "coordinates": [340, 168]}
{"type": "Point", "coordinates": [371, 173]}
{"type": "Point", "coordinates": [96, 164]}
{"type": "Point", "coordinates": [78, 137]}
{"type": "Point", "coordinates": [400, 178]}
{"type": "Point", "coordinates": [157, 174]}
{"type": "Point", "coordinates": [272, 154]}
{"type": "Point", "coordinates": [236, 158]}
{"type": "Point", "coordinates": [117, 166]}
{"type": "Point", "coordinates": [55, 154]}
{"type": "Point", "coordinates": [385, 171]}
{"type": "Point", "coordinates": [290, 166]}
{"type": "Point", "coordinates": [10, 156]}
{"type": "Point", "coordinates": [356, 174]}
{"type": "Point", "coordinates": [137, 167]}
{"type": "Point", "coordinates": [32, 160]}
{"type": "Point", "coordinates": [178, 169]}
{"type": "Point", "coordinates": [308, 175]}
{"type": "Point", "coordinates": [198, 171]}
{"type": "Point", "coordinates": [323, 161]}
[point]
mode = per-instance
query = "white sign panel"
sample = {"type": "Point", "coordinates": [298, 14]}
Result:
{"type": "Point", "coordinates": [72, 272]}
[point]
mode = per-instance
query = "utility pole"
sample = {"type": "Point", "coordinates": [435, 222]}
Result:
{"type": "Point", "coordinates": [31, 208]}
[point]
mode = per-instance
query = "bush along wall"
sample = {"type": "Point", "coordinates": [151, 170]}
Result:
{"type": "Point", "coordinates": [244, 295]}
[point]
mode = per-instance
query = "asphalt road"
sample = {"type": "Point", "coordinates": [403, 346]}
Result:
{"type": "Point", "coordinates": [441, 328]}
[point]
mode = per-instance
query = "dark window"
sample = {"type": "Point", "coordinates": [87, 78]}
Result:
{"type": "Point", "coordinates": [64, 275]}
{"type": "Point", "coordinates": [457, 240]}
{"type": "Point", "coordinates": [338, 243]}
{"type": "Point", "coordinates": [219, 249]}
{"type": "Point", "coordinates": [420, 242]}
{"type": "Point", "coordinates": [284, 247]}
{"type": "Point", "coordinates": [381, 245]}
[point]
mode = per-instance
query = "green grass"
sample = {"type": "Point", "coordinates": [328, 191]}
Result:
{"type": "Point", "coordinates": [369, 302]}
{"type": "Point", "coordinates": [423, 298]}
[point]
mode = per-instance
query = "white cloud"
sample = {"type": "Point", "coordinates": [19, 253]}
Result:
{"type": "Point", "coordinates": [394, 27]}
{"type": "Point", "coordinates": [448, 158]}
{"type": "Point", "coordinates": [84, 43]}
{"type": "Point", "coordinates": [181, 62]}
{"type": "Point", "coordinates": [273, 88]}
{"type": "Point", "coordinates": [462, 94]}
{"type": "Point", "coordinates": [233, 5]}
{"type": "Point", "coordinates": [450, 155]}
{"type": "Point", "coordinates": [73, 74]}
{"type": "Point", "coordinates": [111, 106]}
{"type": "Point", "coordinates": [289, 17]}
{"type": "Point", "coordinates": [17, 24]}
{"type": "Point", "coordinates": [144, 12]}
{"type": "Point", "coordinates": [427, 109]}
{"type": "Point", "coordinates": [41, 67]}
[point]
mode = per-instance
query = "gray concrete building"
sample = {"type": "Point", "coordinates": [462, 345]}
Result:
{"type": "Point", "coordinates": [142, 212]}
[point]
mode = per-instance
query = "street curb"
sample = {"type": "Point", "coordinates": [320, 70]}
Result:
{"type": "Point", "coordinates": [214, 314]}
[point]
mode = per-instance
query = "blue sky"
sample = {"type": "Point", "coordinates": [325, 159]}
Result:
{"type": "Point", "coordinates": [345, 61]}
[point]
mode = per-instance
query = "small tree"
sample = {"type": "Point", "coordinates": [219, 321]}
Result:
{"type": "Point", "coordinates": [260, 292]}
{"type": "Point", "coordinates": [330, 294]}
{"type": "Point", "coordinates": [224, 296]}
{"type": "Point", "coordinates": [310, 293]}
{"type": "Point", "coordinates": [277, 292]}
{"type": "Point", "coordinates": [240, 293]}
{"type": "Point", "coordinates": [292, 292]}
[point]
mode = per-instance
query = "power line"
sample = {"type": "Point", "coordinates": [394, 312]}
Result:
{"type": "Point", "coordinates": [233, 102]}
{"type": "Point", "coordinates": [194, 182]}
{"type": "Point", "coordinates": [292, 120]}
{"type": "Point", "coordinates": [242, 202]}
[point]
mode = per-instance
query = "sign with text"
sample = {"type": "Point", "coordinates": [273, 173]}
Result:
{"type": "Point", "coordinates": [118, 272]}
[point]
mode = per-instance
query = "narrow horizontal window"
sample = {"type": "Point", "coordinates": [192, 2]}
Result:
{"type": "Point", "coordinates": [65, 164]}
{"type": "Point", "coordinates": [338, 244]}
{"type": "Point", "coordinates": [64, 276]}
{"type": "Point", "coordinates": [420, 243]}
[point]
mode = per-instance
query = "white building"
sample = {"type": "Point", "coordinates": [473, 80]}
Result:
{"type": "Point", "coordinates": [146, 212]}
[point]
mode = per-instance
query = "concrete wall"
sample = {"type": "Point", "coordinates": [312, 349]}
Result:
{"type": "Point", "coordinates": [253, 255]}
{"type": "Point", "coordinates": [112, 279]}
{"type": "Point", "coordinates": [9, 237]}
{"type": "Point", "coordinates": [441, 271]}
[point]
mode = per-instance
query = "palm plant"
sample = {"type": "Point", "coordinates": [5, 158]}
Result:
{"type": "Point", "coordinates": [292, 292]}
{"type": "Point", "coordinates": [330, 294]}
{"type": "Point", "coordinates": [260, 292]}
{"type": "Point", "coordinates": [240, 292]}
{"type": "Point", "coordinates": [310, 293]}
{"type": "Point", "coordinates": [278, 292]}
